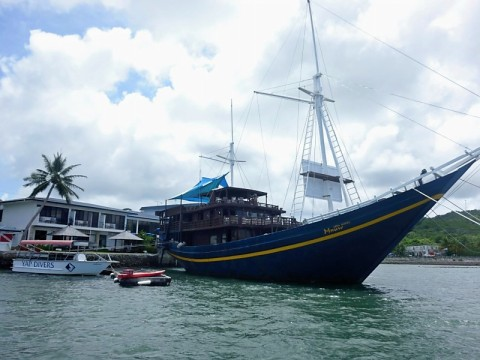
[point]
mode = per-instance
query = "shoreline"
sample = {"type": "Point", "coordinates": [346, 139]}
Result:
{"type": "Point", "coordinates": [135, 260]}
{"type": "Point", "coordinates": [441, 260]}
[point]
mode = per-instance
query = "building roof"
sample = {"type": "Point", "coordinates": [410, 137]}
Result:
{"type": "Point", "coordinates": [130, 213]}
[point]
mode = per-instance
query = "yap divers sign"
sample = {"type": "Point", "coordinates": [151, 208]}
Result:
{"type": "Point", "coordinates": [40, 264]}
{"type": "Point", "coordinates": [43, 264]}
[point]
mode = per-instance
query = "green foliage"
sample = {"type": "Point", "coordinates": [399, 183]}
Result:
{"type": "Point", "coordinates": [148, 242]}
{"type": "Point", "coordinates": [400, 250]}
{"type": "Point", "coordinates": [55, 176]}
{"type": "Point", "coordinates": [450, 231]}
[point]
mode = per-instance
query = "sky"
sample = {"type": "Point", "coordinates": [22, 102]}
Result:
{"type": "Point", "coordinates": [140, 93]}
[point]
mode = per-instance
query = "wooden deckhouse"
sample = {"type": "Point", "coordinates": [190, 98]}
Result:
{"type": "Point", "coordinates": [229, 214]}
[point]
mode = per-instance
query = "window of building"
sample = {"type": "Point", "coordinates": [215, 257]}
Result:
{"type": "Point", "coordinates": [147, 226]}
{"type": "Point", "coordinates": [131, 225]}
{"type": "Point", "coordinates": [54, 215]}
{"type": "Point", "coordinates": [114, 221]}
{"type": "Point", "coordinates": [40, 235]}
{"type": "Point", "coordinates": [102, 241]}
{"type": "Point", "coordinates": [86, 218]}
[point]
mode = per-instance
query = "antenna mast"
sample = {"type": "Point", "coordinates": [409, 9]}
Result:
{"type": "Point", "coordinates": [231, 154]}
{"type": "Point", "coordinates": [230, 158]}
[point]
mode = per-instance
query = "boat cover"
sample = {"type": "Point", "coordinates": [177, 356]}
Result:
{"type": "Point", "coordinates": [202, 188]}
{"type": "Point", "coordinates": [47, 242]}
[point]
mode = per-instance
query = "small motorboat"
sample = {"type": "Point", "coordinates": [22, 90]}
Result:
{"type": "Point", "coordinates": [131, 274]}
{"type": "Point", "coordinates": [32, 258]}
{"type": "Point", "coordinates": [129, 277]}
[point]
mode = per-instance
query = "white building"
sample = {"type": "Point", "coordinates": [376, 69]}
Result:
{"type": "Point", "coordinates": [422, 250]}
{"type": "Point", "coordinates": [98, 222]}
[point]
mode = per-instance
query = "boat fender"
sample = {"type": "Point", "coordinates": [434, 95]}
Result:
{"type": "Point", "coordinates": [145, 282]}
{"type": "Point", "coordinates": [180, 245]}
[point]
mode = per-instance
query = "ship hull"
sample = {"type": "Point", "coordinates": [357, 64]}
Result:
{"type": "Point", "coordinates": [343, 249]}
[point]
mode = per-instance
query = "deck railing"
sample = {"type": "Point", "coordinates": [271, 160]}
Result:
{"type": "Point", "coordinates": [239, 202]}
{"type": "Point", "coordinates": [283, 222]}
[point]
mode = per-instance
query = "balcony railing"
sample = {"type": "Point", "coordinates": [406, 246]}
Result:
{"type": "Point", "coordinates": [48, 219]}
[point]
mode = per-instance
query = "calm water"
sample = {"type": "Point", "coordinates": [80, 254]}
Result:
{"type": "Point", "coordinates": [401, 312]}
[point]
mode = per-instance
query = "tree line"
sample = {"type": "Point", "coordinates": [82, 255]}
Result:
{"type": "Point", "coordinates": [451, 232]}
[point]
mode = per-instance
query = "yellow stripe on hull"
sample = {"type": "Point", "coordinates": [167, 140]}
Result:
{"type": "Point", "coordinates": [308, 242]}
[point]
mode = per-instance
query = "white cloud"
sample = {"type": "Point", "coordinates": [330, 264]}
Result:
{"type": "Point", "coordinates": [137, 104]}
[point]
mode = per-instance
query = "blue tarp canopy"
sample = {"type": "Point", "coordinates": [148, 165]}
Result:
{"type": "Point", "coordinates": [202, 188]}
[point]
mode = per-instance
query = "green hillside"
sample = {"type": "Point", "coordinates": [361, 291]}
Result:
{"type": "Point", "coordinates": [450, 231]}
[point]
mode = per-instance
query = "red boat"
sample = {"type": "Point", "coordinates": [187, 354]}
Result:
{"type": "Point", "coordinates": [130, 274]}
{"type": "Point", "coordinates": [128, 277]}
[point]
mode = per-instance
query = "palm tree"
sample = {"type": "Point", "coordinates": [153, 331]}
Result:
{"type": "Point", "coordinates": [55, 176]}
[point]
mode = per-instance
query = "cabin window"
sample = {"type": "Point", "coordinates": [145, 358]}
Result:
{"type": "Point", "coordinates": [213, 240]}
{"type": "Point", "coordinates": [243, 233]}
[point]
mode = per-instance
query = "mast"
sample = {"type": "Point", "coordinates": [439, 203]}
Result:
{"type": "Point", "coordinates": [318, 101]}
{"type": "Point", "coordinates": [313, 37]}
{"type": "Point", "coordinates": [231, 153]}
{"type": "Point", "coordinates": [230, 158]}
{"type": "Point", "coordinates": [319, 180]}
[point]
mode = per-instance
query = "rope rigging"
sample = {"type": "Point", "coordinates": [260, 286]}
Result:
{"type": "Point", "coordinates": [418, 62]}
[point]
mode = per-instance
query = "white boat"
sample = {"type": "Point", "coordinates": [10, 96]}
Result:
{"type": "Point", "coordinates": [58, 262]}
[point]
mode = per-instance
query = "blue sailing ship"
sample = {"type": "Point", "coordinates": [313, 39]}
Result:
{"type": "Point", "coordinates": [226, 231]}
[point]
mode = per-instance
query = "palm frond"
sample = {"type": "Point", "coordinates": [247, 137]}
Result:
{"type": "Point", "coordinates": [56, 174]}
